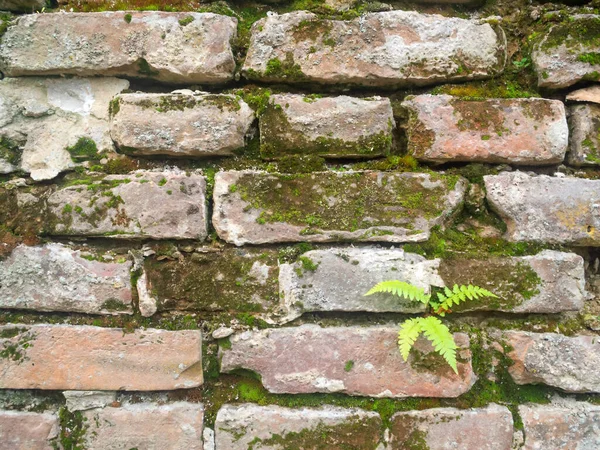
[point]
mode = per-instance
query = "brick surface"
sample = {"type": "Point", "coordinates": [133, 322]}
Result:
{"type": "Point", "coordinates": [195, 125]}
{"type": "Point", "coordinates": [259, 207]}
{"type": "Point", "coordinates": [160, 46]}
{"type": "Point", "coordinates": [443, 128]}
{"type": "Point", "coordinates": [157, 205]}
{"type": "Point", "coordinates": [568, 363]}
{"type": "Point", "coordinates": [546, 209]}
{"type": "Point", "coordinates": [69, 357]}
{"type": "Point", "coordinates": [332, 127]}
{"type": "Point", "coordinates": [393, 48]}
{"type": "Point", "coordinates": [27, 430]}
{"type": "Point", "coordinates": [55, 278]}
{"type": "Point", "coordinates": [351, 360]}
{"type": "Point", "coordinates": [489, 428]}
{"type": "Point", "coordinates": [274, 427]}
{"type": "Point", "coordinates": [584, 148]}
{"type": "Point", "coordinates": [145, 426]}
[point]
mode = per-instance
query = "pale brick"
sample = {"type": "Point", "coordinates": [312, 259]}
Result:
{"type": "Point", "coordinates": [27, 430]}
{"type": "Point", "coordinates": [443, 128]}
{"type": "Point", "coordinates": [584, 148]}
{"type": "Point", "coordinates": [56, 278]}
{"type": "Point", "coordinates": [546, 209]}
{"type": "Point", "coordinates": [162, 46]}
{"type": "Point", "coordinates": [69, 357]}
{"type": "Point", "coordinates": [259, 207]}
{"type": "Point", "coordinates": [351, 360]}
{"type": "Point", "coordinates": [394, 48]}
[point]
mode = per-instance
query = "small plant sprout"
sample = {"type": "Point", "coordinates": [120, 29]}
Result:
{"type": "Point", "coordinates": [432, 328]}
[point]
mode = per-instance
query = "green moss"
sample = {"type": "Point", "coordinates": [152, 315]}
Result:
{"type": "Point", "coordinates": [301, 164]}
{"type": "Point", "coordinates": [592, 58]}
{"type": "Point", "coordinates": [15, 349]}
{"type": "Point", "coordinates": [308, 264]}
{"type": "Point", "coordinates": [225, 343]}
{"type": "Point", "coordinates": [127, 18]}
{"type": "Point", "coordinates": [67, 209]}
{"type": "Point", "coordinates": [186, 21]}
{"type": "Point", "coordinates": [286, 70]}
{"type": "Point", "coordinates": [162, 181]}
{"type": "Point", "coordinates": [10, 151]}
{"type": "Point", "coordinates": [114, 106]}
{"type": "Point", "coordinates": [72, 429]}
{"type": "Point", "coordinates": [5, 20]}
{"type": "Point", "coordinates": [145, 69]}
{"type": "Point", "coordinates": [113, 304]}
{"type": "Point", "coordinates": [496, 88]}
{"type": "Point", "coordinates": [8, 333]}
{"type": "Point", "coordinates": [84, 150]}
{"type": "Point", "coordinates": [583, 31]}
{"type": "Point", "coordinates": [357, 197]}
{"type": "Point", "coordinates": [348, 366]}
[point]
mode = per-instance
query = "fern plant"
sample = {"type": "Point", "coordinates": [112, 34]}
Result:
{"type": "Point", "coordinates": [432, 328]}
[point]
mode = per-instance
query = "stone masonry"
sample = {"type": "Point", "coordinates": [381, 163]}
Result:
{"type": "Point", "coordinates": [196, 198]}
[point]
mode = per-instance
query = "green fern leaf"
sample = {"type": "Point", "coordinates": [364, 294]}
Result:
{"type": "Point", "coordinates": [441, 338]}
{"type": "Point", "coordinates": [460, 294]}
{"type": "Point", "coordinates": [401, 289]}
{"type": "Point", "coordinates": [408, 334]}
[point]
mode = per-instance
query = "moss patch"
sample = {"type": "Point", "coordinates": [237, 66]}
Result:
{"type": "Point", "coordinates": [345, 201]}
{"type": "Point", "coordinates": [234, 280]}
{"type": "Point", "coordinates": [84, 150]}
{"type": "Point", "coordinates": [10, 151]}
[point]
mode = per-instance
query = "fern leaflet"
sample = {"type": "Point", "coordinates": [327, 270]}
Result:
{"type": "Point", "coordinates": [460, 294]}
{"type": "Point", "coordinates": [441, 338]}
{"type": "Point", "coordinates": [408, 334]}
{"type": "Point", "coordinates": [401, 289]}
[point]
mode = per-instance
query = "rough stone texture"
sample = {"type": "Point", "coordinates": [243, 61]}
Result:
{"type": "Point", "coordinates": [568, 363]}
{"type": "Point", "coordinates": [27, 430]}
{"type": "Point", "coordinates": [56, 278]}
{"type": "Point", "coordinates": [337, 280]}
{"type": "Point", "coordinates": [584, 121]}
{"type": "Point", "coordinates": [276, 428]}
{"type": "Point", "coordinates": [147, 303]}
{"type": "Point", "coordinates": [82, 400]}
{"type": "Point", "coordinates": [565, 55]}
{"type": "Point", "coordinates": [234, 279]}
{"type": "Point", "coordinates": [546, 209]}
{"type": "Point", "coordinates": [588, 94]}
{"type": "Point", "coordinates": [180, 124]}
{"type": "Point", "coordinates": [162, 46]}
{"type": "Point", "coordinates": [351, 360]}
{"type": "Point", "coordinates": [259, 207]}
{"type": "Point", "coordinates": [443, 128]}
{"type": "Point", "coordinates": [569, 426]}
{"type": "Point", "coordinates": [41, 118]}
{"type": "Point", "coordinates": [489, 428]}
{"type": "Point", "coordinates": [22, 5]}
{"type": "Point", "coordinates": [145, 426]}
{"type": "Point", "coordinates": [395, 48]}
{"type": "Point", "coordinates": [157, 205]}
{"type": "Point", "coordinates": [333, 127]}
{"type": "Point", "coordinates": [549, 282]}
{"type": "Point", "coordinates": [70, 357]}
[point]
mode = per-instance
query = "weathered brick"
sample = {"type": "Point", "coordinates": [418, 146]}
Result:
{"type": "Point", "coordinates": [584, 148]}
{"type": "Point", "coordinates": [393, 48]}
{"type": "Point", "coordinates": [82, 400]}
{"type": "Point", "coordinates": [161, 46]}
{"type": "Point", "coordinates": [56, 278]}
{"type": "Point", "coordinates": [549, 282]}
{"type": "Point", "coordinates": [567, 425]}
{"type": "Point", "coordinates": [27, 430]}
{"type": "Point", "coordinates": [568, 53]}
{"type": "Point", "coordinates": [352, 360]}
{"type": "Point", "coordinates": [546, 209]}
{"type": "Point", "coordinates": [48, 125]}
{"type": "Point", "coordinates": [333, 127]}
{"type": "Point", "coordinates": [587, 94]}
{"type": "Point", "coordinates": [443, 128]}
{"type": "Point", "coordinates": [69, 357]}
{"type": "Point", "coordinates": [157, 205]}
{"type": "Point", "coordinates": [489, 428]}
{"type": "Point", "coordinates": [304, 428]}
{"type": "Point", "coordinates": [568, 363]}
{"type": "Point", "coordinates": [259, 207]}
{"type": "Point", "coordinates": [230, 280]}
{"type": "Point", "coordinates": [180, 124]}
{"type": "Point", "coordinates": [337, 280]}
{"type": "Point", "coordinates": [145, 426]}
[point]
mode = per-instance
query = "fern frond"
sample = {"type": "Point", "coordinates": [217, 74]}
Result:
{"type": "Point", "coordinates": [460, 294]}
{"type": "Point", "coordinates": [408, 334]}
{"type": "Point", "coordinates": [441, 338]}
{"type": "Point", "coordinates": [401, 289]}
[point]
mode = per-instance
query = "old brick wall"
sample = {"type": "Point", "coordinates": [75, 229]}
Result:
{"type": "Point", "coordinates": [194, 199]}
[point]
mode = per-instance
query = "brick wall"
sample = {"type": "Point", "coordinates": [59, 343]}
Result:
{"type": "Point", "coordinates": [194, 199]}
